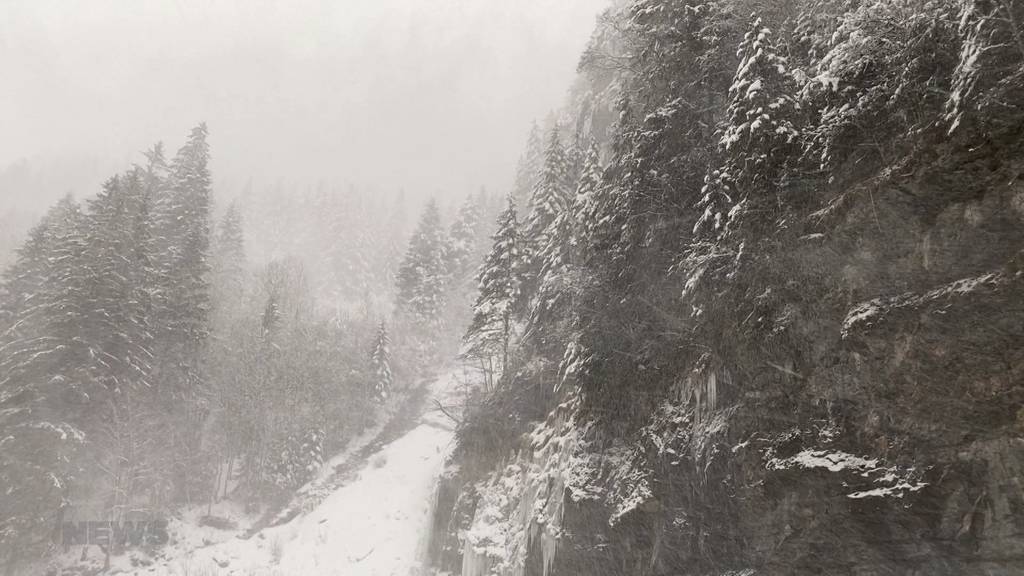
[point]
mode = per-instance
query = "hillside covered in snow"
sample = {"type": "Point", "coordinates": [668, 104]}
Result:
{"type": "Point", "coordinates": [751, 303]}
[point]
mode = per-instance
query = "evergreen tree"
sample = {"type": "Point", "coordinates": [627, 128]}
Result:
{"type": "Point", "coordinates": [575, 156]}
{"type": "Point", "coordinates": [759, 132]}
{"type": "Point", "coordinates": [117, 259]}
{"type": "Point", "coordinates": [550, 193]}
{"type": "Point", "coordinates": [550, 198]}
{"type": "Point", "coordinates": [463, 236]}
{"type": "Point", "coordinates": [117, 313]}
{"type": "Point", "coordinates": [158, 173]}
{"type": "Point", "coordinates": [229, 245]}
{"type": "Point", "coordinates": [187, 220]}
{"type": "Point", "coordinates": [762, 108]}
{"type": "Point", "coordinates": [422, 277]}
{"type": "Point", "coordinates": [231, 327]}
{"type": "Point", "coordinates": [296, 459]}
{"type": "Point", "coordinates": [25, 281]}
{"type": "Point", "coordinates": [42, 390]}
{"type": "Point", "coordinates": [380, 365]}
{"type": "Point", "coordinates": [529, 168]}
{"type": "Point", "coordinates": [584, 210]}
{"type": "Point", "coordinates": [182, 309]}
{"type": "Point", "coordinates": [228, 265]}
{"type": "Point", "coordinates": [500, 297]}
{"type": "Point", "coordinates": [991, 41]}
{"type": "Point", "coordinates": [396, 237]}
{"type": "Point", "coordinates": [565, 239]}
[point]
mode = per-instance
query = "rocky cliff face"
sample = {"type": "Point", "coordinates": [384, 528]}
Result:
{"type": "Point", "coordinates": [847, 397]}
{"type": "Point", "coordinates": [883, 435]}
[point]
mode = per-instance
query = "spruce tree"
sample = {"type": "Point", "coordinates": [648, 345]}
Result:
{"type": "Point", "coordinates": [422, 277]}
{"type": "Point", "coordinates": [114, 293]}
{"type": "Point", "coordinates": [500, 298]}
{"type": "Point", "coordinates": [42, 388]}
{"type": "Point", "coordinates": [759, 133]}
{"type": "Point", "coordinates": [380, 365]}
{"type": "Point", "coordinates": [189, 212]}
{"type": "Point", "coordinates": [228, 265]}
{"type": "Point", "coordinates": [462, 248]}
{"type": "Point", "coordinates": [584, 209]}
{"type": "Point", "coordinates": [231, 326]}
{"type": "Point", "coordinates": [182, 308]}
{"type": "Point", "coordinates": [529, 168]}
{"type": "Point", "coordinates": [762, 107]}
{"type": "Point", "coordinates": [101, 323]}
{"type": "Point", "coordinates": [550, 198]}
{"type": "Point", "coordinates": [565, 239]}
{"type": "Point", "coordinates": [182, 239]}
{"type": "Point", "coordinates": [117, 259]}
{"type": "Point", "coordinates": [158, 172]}
{"type": "Point", "coordinates": [991, 41]}
{"type": "Point", "coordinates": [396, 236]}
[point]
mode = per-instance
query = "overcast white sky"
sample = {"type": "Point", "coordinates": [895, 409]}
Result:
{"type": "Point", "coordinates": [429, 95]}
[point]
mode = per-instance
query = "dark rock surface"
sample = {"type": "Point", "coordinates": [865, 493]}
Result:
{"type": "Point", "coordinates": [871, 424]}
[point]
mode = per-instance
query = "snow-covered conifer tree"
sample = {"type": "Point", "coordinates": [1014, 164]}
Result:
{"type": "Point", "coordinates": [422, 277]}
{"type": "Point", "coordinates": [228, 256]}
{"type": "Point", "coordinates": [118, 262]}
{"type": "Point", "coordinates": [38, 367]}
{"type": "Point", "coordinates": [380, 365]}
{"type": "Point", "coordinates": [529, 167]}
{"type": "Point", "coordinates": [550, 194]}
{"type": "Point", "coordinates": [187, 218]}
{"type": "Point", "coordinates": [463, 242]}
{"type": "Point", "coordinates": [550, 198]}
{"type": "Point", "coordinates": [182, 303]}
{"type": "Point", "coordinates": [759, 132]}
{"type": "Point", "coordinates": [491, 330]}
{"type": "Point", "coordinates": [565, 238]}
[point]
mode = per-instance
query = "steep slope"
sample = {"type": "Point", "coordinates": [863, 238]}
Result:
{"type": "Point", "coordinates": [373, 521]}
{"type": "Point", "coordinates": [796, 344]}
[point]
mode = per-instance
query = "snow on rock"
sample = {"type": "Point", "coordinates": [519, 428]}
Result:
{"type": "Point", "coordinates": [523, 502]}
{"type": "Point", "coordinates": [896, 490]}
{"type": "Point", "coordinates": [637, 492]}
{"type": "Point", "coordinates": [887, 481]}
{"type": "Point", "coordinates": [871, 311]}
{"type": "Point", "coordinates": [831, 461]}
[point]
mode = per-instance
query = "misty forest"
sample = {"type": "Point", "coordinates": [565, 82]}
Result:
{"type": "Point", "coordinates": [747, 300]}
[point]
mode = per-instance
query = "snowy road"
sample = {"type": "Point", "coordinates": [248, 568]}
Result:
{"type": "Point", "coordinates": [373, 525]}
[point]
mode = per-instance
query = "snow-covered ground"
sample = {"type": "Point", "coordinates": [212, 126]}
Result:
{"type": "Point", "coordinates": [373, 525]}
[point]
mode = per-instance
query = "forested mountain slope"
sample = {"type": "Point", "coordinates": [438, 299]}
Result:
{"type": "Point", "coordinates": [773, 321]}
{"type": "Point", "coordinates": [149, 370]}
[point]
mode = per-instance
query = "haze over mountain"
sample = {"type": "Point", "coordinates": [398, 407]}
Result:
{"type": "Point", "coordinates": [299, 91]}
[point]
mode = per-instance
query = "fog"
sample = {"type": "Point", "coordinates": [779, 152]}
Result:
{"type": "Point", "coordinates": [511, 287]}
{"type": "Point", "coordinates": [374, 93]}
{"type": "Point", "coordinates": [264, 317]}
